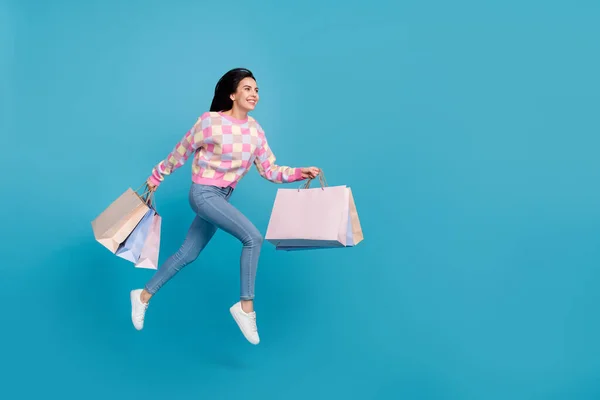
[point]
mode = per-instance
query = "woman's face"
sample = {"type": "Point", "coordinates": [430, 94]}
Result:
{"type": "Point", "coordinates": [246, 96]}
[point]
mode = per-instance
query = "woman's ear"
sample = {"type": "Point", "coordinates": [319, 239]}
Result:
{"type": "Point", "coordinates": [232, 97]}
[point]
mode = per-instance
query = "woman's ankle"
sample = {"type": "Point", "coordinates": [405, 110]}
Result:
{"type": "Point", "coordinates": [247, 306]}
{"type": "Point", "coordinates": [145, 296]}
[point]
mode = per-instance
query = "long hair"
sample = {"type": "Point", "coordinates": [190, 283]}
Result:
{"type": "Point", "coordinates": [226, 86]}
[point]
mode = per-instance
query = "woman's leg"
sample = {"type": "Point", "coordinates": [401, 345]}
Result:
{"type": "Point", "coordinates": [214, 207]}
{"type": "Point", "coordinates": [198, 236]}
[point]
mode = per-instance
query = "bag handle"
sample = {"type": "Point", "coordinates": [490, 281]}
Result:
{"type": "Point", "coordinates": [147, 195]}
{"type": "Point", "coordinates": [322, 181]}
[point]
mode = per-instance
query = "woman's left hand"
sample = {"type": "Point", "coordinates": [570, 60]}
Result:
{"type": "Point", "coordinates": [310, 172]}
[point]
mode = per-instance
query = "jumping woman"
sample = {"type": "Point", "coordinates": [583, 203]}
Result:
{"type": "Point", "coordinates": [225, 142]}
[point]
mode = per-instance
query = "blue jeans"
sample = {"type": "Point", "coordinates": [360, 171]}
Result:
{"type": "Point", "coordinates": [213, 210]}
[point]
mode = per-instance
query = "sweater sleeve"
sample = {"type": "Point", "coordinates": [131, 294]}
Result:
{"type": "Point", "coordinates": [191, 141]}
{"type": "Point", "coordinates": [268, 169]}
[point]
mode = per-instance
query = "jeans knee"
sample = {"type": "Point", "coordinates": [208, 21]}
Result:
{"type": "Point", "coordinates": [255, 239]}
{"type": "Point", "coordinates": [183, 257]}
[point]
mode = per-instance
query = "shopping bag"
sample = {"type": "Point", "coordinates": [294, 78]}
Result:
{"type": "Point", "coordinates": [354, 229]}
{"type": "Point", "coordinates": [354, 233]}
{"type": "Point", "coordinates": [113, 225]}
{"type": "Point", "coordinates": [149, 255]}
{"type": "Point", "coordinates": [131, 248]}
{"type": "Point", "coordinates": [314, 218]}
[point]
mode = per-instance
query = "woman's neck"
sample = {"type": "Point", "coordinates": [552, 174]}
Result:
{"type": "Point", "coordinates": [236, 113]}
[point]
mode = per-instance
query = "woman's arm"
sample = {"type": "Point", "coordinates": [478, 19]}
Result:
{"type": "Point", "coordinates": [265, 162]}
{"type": "Point", "coordinates": [191, 141]}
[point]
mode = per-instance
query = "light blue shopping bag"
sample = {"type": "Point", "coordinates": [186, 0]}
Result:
{"type": "Point", "coordinates": [131, 248]}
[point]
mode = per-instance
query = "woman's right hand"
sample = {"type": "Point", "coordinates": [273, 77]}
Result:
{"type": "Point", "coordinates": [310, 172]}
{"type": "Point", "coordinates": [151, 187]}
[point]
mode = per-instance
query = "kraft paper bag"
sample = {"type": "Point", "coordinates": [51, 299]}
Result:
{"type": "Point", "coordinates": [131, 248]}
{"type": "Point", "coordinates": [314, 218]}
{"type": "Point", "coordinates": [118, 220]}
{"type": "Point", "coordinates": [149, 256]}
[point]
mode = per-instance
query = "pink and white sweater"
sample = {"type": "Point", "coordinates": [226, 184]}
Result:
{"type": "Point", "coordinates": [224, 149]}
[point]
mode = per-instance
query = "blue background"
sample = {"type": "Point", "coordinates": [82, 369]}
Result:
{"type": "Point", "coordinates": [468, 131]}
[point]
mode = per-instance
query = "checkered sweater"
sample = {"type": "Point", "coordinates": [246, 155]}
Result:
{"type": "Point", "coordinates": [224, 149]}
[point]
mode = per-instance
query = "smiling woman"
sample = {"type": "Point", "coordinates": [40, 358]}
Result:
{"type": "Point", "coordinates": [236, 92]}
{"type": "Point", "coordinates": [225, 143]}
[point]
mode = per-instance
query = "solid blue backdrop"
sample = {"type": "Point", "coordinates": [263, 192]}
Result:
{"type": "Point", "coordinates": [467, 130]}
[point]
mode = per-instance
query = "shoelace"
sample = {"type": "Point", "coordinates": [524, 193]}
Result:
{"type": "Point", "coordinates": [140, 317]}
{"type": "Point", "coordinates": [253, 322]}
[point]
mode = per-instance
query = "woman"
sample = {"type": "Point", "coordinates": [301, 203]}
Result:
{"type": "Point", "coordinates": [225, 143]}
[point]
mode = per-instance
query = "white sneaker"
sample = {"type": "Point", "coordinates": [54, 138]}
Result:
{"type": "Point", "coordinates": [246, 322]}
{"type": "Point", "coordinates": [138, 309]}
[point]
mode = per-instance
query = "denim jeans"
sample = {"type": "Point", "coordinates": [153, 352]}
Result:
{"type": "Point", "coordinates": [213, 210]}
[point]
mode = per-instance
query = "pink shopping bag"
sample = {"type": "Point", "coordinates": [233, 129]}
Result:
{"type": "Point", "coordinates": [149, 256]}
{"type": "Point", "coordinates": [312, 218]}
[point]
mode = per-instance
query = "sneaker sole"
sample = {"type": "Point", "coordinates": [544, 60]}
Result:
{"type": "Point", "coordinates": [240, 326]}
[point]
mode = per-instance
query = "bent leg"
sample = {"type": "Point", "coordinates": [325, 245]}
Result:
{"type": "Point", "coordinates": [198, 236]}
{"type": "Point", "coordinates": [219, 212]}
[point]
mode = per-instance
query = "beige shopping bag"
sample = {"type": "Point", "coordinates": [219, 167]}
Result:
{"type": "Point", "coordinates": [317, 218]}
{"type": "Point", "coordinates": [116, 222]}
